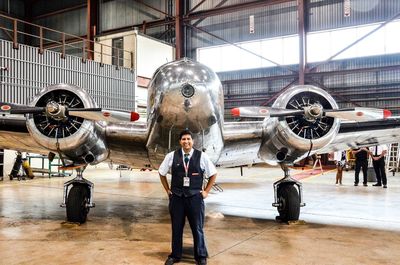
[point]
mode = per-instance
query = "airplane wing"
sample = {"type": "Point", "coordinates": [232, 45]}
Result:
{"type": "Point", "coordinates": [305, 120]}
{"type": "Point", "coordinates": [64, 119]}
{"type": "Point", "coordinates": [125, 141]}
{"type": "Point", "coordinates": [358, 134]}
{"type": "Point", "coordinates": [15, 136]}
{"type": "Point", "coordinates": [244, 139]}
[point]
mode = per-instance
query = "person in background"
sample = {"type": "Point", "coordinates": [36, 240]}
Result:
{"type": "Point", "coordinates": [361, 155]}
{"type": "Point", "coordinates": [340, 160]}
{"type": "Point", "coordinates": [378, 153]}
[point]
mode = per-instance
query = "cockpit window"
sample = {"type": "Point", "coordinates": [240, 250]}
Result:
{"type": "Point", "coordinates": [187, 91]}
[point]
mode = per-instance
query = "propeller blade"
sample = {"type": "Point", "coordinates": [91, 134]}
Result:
{"type": "Point", "coordinates": [97, 114]}
{"type": "Point", "coordinates": [264, 112]}
{"type": "Point", "coordinates": [359, 114]}
{"type": "Point", "coordinates": [19, 109]}
{"type": "Point", "coordinates": [353, 114]}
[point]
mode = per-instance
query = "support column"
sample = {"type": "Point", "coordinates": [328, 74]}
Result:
{"type": "Point", "coordinates": [91, 23]}
{"type": "Point", "coordinates": [302, 40]}
{"type": "Point", "coordinates": [178, 29]}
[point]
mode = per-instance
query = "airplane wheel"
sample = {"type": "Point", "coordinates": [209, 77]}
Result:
{"type": "Point", "coordinates": [289, 210]}
{"type": "Point", "coordinates": [77, 201]}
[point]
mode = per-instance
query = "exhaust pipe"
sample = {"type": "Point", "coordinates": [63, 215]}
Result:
{"type": "Point", "coordinates": [282, 154]}
{"type": "Point", "coordinates": [89, 158]}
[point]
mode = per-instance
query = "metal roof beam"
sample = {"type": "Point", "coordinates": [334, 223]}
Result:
{"type": "Point", "coordinates": [232, 8]}
{"type": "Point", "coordinates": [60, 11]}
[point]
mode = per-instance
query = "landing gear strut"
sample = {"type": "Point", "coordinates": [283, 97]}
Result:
{"type": "Point", "coordinates": [79, 200]}
{"type": "Point", "coordinates": [288, 198]}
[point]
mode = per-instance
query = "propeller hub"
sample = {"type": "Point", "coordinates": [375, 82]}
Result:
{"type": "Point", "coordinates": [313, 112]}
{"type": "Point", "coordinates": [52, 108]}
{"type": "Point", "coordinates": [56, 111]}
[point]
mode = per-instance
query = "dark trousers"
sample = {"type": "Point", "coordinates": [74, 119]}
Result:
{"type": "Point", "coordinates": [379, 167]}
{"type": "Point", "coordinates": [361, 164]}
{"type": "Point", "coordinates": [192, 208]}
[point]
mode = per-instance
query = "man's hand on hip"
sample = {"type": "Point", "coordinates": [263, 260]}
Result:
{"type": "Point", "coordinates": [204, 194]}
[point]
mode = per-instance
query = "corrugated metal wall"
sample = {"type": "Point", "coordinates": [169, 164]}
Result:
{"type": "Point", "coordinates": [73, 22]}
{"type": "Point", "coordinates": [329, 14]}
{"type": "Point", "coordinates": [269, 21]}
{"type": "Point", "coordinates": [281, 19]}
{"type": "Point", "coordinates": [24, 72]}
{"type": "Point", "coordinates": [15, 7]}
{"type": "Point", "coordinates": [122, 13]}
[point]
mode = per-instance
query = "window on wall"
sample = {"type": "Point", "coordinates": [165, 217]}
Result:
{"type": "Point", "coordinates": [229, 58]}
{"type": "Point", "coordinates": [320, 47]}
{"type": "Point", "coordinates": [118, 51]}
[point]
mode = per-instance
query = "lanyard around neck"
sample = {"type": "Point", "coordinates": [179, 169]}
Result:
{"type": "Point", "coordinates": [186, 164]}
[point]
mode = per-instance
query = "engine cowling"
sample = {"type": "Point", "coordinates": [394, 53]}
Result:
{"type": "Point", "coordinates": [80, 140]}
{"type": "Point", "coordinates": [290, 138]}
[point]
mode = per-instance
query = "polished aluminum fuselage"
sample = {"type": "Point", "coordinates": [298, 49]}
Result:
{"type": "Point", "coordinates": [170, 111]}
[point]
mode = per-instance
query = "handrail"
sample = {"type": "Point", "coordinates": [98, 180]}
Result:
{"type": "Point", "coordinates": [86, 50]}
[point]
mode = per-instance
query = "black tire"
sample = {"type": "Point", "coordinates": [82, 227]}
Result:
{"type": "Point", "coordinates": [289, 198]}
{"type": "Point", "coordinates": [77, 200]}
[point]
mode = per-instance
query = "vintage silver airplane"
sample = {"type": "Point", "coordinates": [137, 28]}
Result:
{"type": "Point", "coordinates": [64, 119]}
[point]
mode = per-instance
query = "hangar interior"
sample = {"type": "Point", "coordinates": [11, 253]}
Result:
{"type": "Point", "coordinates": [331, 44]}
{"type": "Point", "coordinates": [258, 48]}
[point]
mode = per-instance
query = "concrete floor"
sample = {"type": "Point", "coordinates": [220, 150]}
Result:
{"type": "Point", "coordinates": [130, 224]}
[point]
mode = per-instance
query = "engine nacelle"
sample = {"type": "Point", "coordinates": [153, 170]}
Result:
{"type": "Point", "coordinates": [290, 138]}
{"type": "Point", "coordinates": [78, 139]}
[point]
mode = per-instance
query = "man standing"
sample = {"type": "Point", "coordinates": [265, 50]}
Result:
{"type": "Point", "coordinates": [361, 155]}
{"type": "Point", "coordinates": [378, 161]}
{"type": "Point", "coordinates": [186, 195]}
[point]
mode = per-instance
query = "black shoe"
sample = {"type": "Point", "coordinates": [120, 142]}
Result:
{"type": "Point", "coordinates": [377, 185]}
{"type": "Point", "coordinates": [384, 186]}
{"type": "Point", "coordinates": [201, 262]}
{"type": "Point", "coordinates": [355, 184]}
{"type": "Point", "coordinates": [171, 261]}
{"type": "Point", "coordinates": [365, 184]}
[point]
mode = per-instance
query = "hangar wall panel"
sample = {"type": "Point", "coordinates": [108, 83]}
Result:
{"type": "Point", "coordinates": [370, 88]}
{"type": "Point", "coordinates": [72, 22]}
{"type": "Point", "coordinates": [46, 6]}
{"type": "Point", "coordinates": [269, 21]}
{"type": "Point", "coordinates": [122, 13]}
{"type": "Point", "coordinates": [24, 72]}
{"type": "Point", "coordinates": [330, 14]}
{"type": "Point", "coordinates": [13, 7]}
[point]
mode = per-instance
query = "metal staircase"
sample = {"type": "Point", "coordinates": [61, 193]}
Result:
{"type": "Point", "coordinates": [393, 158]}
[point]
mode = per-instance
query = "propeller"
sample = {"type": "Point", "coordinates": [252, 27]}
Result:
{"type": "Point", "coordinates": [105, 115]}
{"type": "Point", "coordinates": [313, 112]}
{"type": "Point", "coordinates": [59, 111]}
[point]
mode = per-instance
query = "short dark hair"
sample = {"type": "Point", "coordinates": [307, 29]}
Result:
{"type": "Point", "coordinates": [185, 132]}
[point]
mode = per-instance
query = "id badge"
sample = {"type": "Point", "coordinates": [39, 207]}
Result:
{"type": "Point", "coordinates": [186, 182]}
